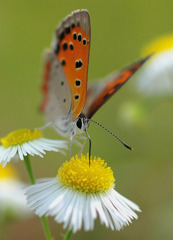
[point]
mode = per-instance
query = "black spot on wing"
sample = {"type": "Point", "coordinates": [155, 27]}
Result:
{"type": "Point", "coordinates": [65, 46]}
{"type": "Point", "coordinates": [78, 83]}
{"type": "Point", "coordinates": [71, 46]}
{"type": "Point", "coordinates": [76, 97]}
{"type": "Point", "coordinates": [62, 36]}
{"type": "Point", "coordinates": [74, 36]}
{"type": "Point", "coordinates": [79, 37]}
{"type": "Point", "coordinates": [63, 63]}
{"type": "Point", "coordinates": [79, 64]}
{"type": "Point", "coordinates": [73, 25]}
{"type": "Point", "coordinates": [67, 30]}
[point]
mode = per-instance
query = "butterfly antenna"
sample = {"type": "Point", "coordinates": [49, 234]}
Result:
{"type": "Point", "coordinates": [89, 145]}
{"type": "Point", "coordinates": [111, 134]}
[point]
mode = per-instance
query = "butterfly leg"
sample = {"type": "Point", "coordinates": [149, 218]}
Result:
{"type": "Point", "coordinates": [77, 143]}
{"type": "Point", "coordinates": [73, 140]}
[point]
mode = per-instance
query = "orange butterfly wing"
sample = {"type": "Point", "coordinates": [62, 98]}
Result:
{"type": "Point", "coordinates": [100, 92]}
{"type": "Point", "coordinates": [72, 47]}
{"type": "Point", "coordinates": [44, 87]}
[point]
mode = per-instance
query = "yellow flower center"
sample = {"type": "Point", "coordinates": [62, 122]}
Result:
{"type": "Point", "coordinates": [78, 175]}
{"type": "Point", "coordinates": [159, 45]}
{"type": "Point", "coordinates": [8, 172]}
{"type": "Point", "coordinates": [20, 136]}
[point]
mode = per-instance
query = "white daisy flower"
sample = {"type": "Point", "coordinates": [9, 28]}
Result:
{"type": "Point", "coordinates": [27, 141]}
{"type": "Point", "coordinates": [79, 194]}
{"type": "Point", "coordinates": [12, 198]}
{"type": "Point", "coordinates": [156, 76]}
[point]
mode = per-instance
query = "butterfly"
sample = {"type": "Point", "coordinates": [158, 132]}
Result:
{"type": "Point", "coordinates": [67, 102]}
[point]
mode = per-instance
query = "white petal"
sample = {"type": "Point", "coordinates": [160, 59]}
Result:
{"type": "Point", "coordinates": [10, 156]}
{"type": "Point", "coordinates": [20, 152]}
{"type": "Point", "coordinates": [5, 153]}
{"type": "Point", "coordinates": [33, 149]}
{"type": "Point", "coordinates": [26, 147]}
{"type": "Point", "coordinates": [74, 208]}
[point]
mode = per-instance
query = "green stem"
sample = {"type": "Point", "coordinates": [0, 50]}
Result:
{"type": "Point", "coordinates": [32, 179]}
{"type": "Point", "coordinates": [68, 235]}
{"type": "Point", "coordinates": [29, 169]}
{"type": "Point", "coordinates": [46, 228]}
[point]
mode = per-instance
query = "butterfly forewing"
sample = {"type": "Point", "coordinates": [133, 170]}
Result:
{"type": "Point", "coordinates": [100, 92]}
{"type": "Point", "coordinates": [65, 69]}
{"type": "Point", "coordinates": [72, 44]}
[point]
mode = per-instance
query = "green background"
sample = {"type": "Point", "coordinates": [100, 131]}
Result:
{"type": "Point", "coordinates": [119, 29]}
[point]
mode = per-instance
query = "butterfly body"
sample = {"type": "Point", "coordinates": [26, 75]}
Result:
{"type": "Point", "coordinates": [67, 102]}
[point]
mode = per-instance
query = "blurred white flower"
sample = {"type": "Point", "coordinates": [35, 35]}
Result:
{"type": "Point", "coordinates": [27, 141]}
{"type": "Point", "coordinates": [156, 76]}
{"type": "Point", "coordinates": [12, 198]}
{"type": "Point", "coordinates": [79, 194]}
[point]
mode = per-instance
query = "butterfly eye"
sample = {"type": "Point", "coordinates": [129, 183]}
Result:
{"type": "Point", "coordinates": [79, 123]}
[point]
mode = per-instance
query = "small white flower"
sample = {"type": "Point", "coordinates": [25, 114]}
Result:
{"type": "Point", "coordinates": [156, 76]}
{"type": "Point", "coordinates": [12, 198]}
{"type": "Point", "coordinates": [79, 193]}
{"type": "Point", "coordinates": [27, 141]}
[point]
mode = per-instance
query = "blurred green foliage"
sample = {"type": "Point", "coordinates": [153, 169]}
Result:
{"type": "Point", "coordinates": [120, 29]}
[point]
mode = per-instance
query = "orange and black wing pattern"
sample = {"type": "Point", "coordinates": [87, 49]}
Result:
{"type": "Point", "coordinates": [100, 92]}
{"type": "Point", "coordinates": [72, 49]}
{"type": "Point", "coordinates": [65, 76]}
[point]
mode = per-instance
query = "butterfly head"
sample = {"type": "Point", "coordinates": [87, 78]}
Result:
{"type": "Point", "coordinates": [82, 123]}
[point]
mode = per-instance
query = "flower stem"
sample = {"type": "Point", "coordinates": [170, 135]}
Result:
{"type": "Point", "coordinates": [46, 228]}
{"type": "Point", "coordinates": [68, 235]}
{"type": "Point", "coordinates": [29, 169]}
{"type": "Point", "coordinates": [32, 180]}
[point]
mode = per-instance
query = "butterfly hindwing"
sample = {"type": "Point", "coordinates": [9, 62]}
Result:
{"type": "Point", "coordinates": [56, 105]}
{"type": "Point", "coordinates": [100, 92]}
